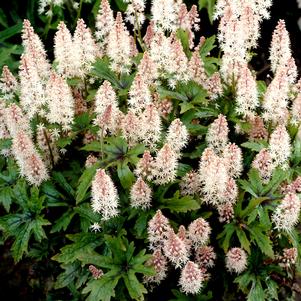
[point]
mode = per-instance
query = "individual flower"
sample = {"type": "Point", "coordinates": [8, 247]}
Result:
{"type": "Point", "coordinates": [279, 146]}
{"type": "Point", "coordinates": [140, 195]}
{"type": "Point", "coordinates": [95, 227]}
{"type": "Point", "coordinates": [175, 249]}
{"type": "Point", "coordinates": [96, 273]}
{"type": "Point", "coordinates": [190, 184]}
{"type": "Point", "coordinates": [104, 195]}
{"type": "Point", "coordinates": [191, 279]}
{"type": "Point", "coordinates": [286, 215]}
{"type": "Point", "coordinates": [199, 232]}
{"type": "Point", "coordinates": [236, 260]}
{"type": "Point", "coordinates": [165, 165]}
{"type": "Point", "coordinates": [157, 230]}
{"type": "Point", "coordinates": [177, 135]}
{"type": "Point", "coordinates": [159, 262]}
{"type": "Point", "coordinates": [217, 135]}
{"type": "Point", "coordinates": [60, 102]}
{"type": "Point", "coordinates": [205, 256]}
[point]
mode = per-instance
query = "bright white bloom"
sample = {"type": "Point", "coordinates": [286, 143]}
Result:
{"type": "Point", "coordinates": [140, 195]}
{"type": "Point", "coordinates": [165, 165]}
{"type": "Point", "coordinates": [157, 230]}
{"type": "Point", "coordinates": [135, 12]}
{"type": "Point", "coordinates": [233, 160]}
{"type": "Point", "coordinates": [177, 135]}
{"type": "Point", "coordinates": [104, 21]}
{"type": "Point", "coordinates": [8, 84]}
{"type": "Point", "coordinates": [44, 4]}
{"type": "Point", "coordinates": [140, 95]}
{"type": "Point", "coordinates": [165, 14]}
{"type": "Point", "coordinates": [217, 135]}
{"type": "Point", "coordinates": [236, 260]}
{"type": "Point", "coordinates": [104, 195]}
{"type": "Point", "coordinates": [119, 47]}
{"type": "Point", "coordinates": [286, 215]}
{"type": "Point", "coordinates": [95, 227]}
{"type": "Point", "coordinates": [296, 110]}
{"type": "Point", "coordinates": [64, 51]}
{"type": "Point", "coordinates": [60, 102]}
{"type": "Point", "coordinates": [191, 279]}
{"type": "Point", "coordinates": [199, 231]}
{"type": "Point", "coordinates": [280, 51]}
{"type": "Point", "coordinates": [175, 249]}
{"type": "Point", "coordinates": [246, 92]}
{"type": "Point", "coordinates": [279, 146]}
{"type": "Point", "coordinates": [32, 94]}
{"type": "Point", "coordinates": [85, 49]}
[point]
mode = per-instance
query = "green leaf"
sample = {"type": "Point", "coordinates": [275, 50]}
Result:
{"type": "Point", "coordinates": [104, 288]}
{"type": "Point", "coordinates": [63, 222]}
{"type": "Point", "coordinates": [10, 32]}
{"type": "Point", "coordinates": [94, 146]}
{"type": "Point", "coordinates": [62, 182]}
{"type": "Point", "coordinates": [244, 242]}
{"type": "Point", "coordinates": [180, 204]}
{"type": "Point", "coordinates": [83, 243]}
{"type": "Point", "coordinates": [254, 202]}
{"type": "Point", "coordinates": [256, 292]}
{"type": "Point", "coordinates": [84, 182]}
{"type": "Point", "coordinates": [227, 234]}
{"type": "Point", "coordinates": [134, 287]}
{"type": "Point", "coordinates": [208, 45]}
{"type": "Point", "coordinates": [68, 276]}
{"type": "Point", "coordinates": [183, 36]}
{"type": "Point", "coordinates": [6, 195]}
{"type": "Point", "coordinates": [278, 177]}
{"type": "Point", "coordinates": [255, 146]}
{"type": "Point", "coordinates": [262, 240]}
{"type": "Point", "coordinates": [125, 175]}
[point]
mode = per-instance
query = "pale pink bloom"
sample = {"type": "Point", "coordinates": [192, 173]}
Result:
{"type": "Point", "coordinates": [16, 120]}
{"type": "Point", "coordinates": [85, 49]}
{"type": "Point", "coordinates": [106, 103]}
{"type": "Point", "coordinates": [199, 232]}
{"type": "Point", "coordinates": [296, 110]}
{"type": "Point", "coordinates": [64, 51]}
{"type": "Point", "coordinates": [32, 88]}
{"type": "Point", "coordinates": [165, 107]}
{"type": "Point", "coordinates": [213, 176]}
{"type": "Point", "coordinates": [258, 130]}
{"type": "Point", "coordinates": [96, 273]}
{"type": "Point", "coordinates": [104, 21]}
{"type": "Point", "coordinates": [225, 212]}
{"type": "Point", "coordinates": [104, 195]}
{"type": "Point", "coordinates": [280, 51]}
{"type": "Point", "coordinates": [263, 162]}
{"type": "Point", "coordinates": [159, 262]}
{"type": "Point", "coordinates": [90, 161]}
{"type": "Point", "coordinates": [191, 279]}
{"type": "Point", "coordinates": [294, 187]}
{"type": "Point", "coordinates": [280, 146]}
{"type": "Point", "coordinates": [189, 21]}
{"type": "Point", "coordinates": [4, 133]}
{"type": "Point", "coordinates": [60, 102]}
{"type": "Point", "coordinates": [145, 166]}
{"type": "Point", "coordinates": [177, 135]}
{"type": "Point", "coordinates": [233, 160]}
{"type": "Point", "coordinates": [246, 92]}
{"type": "Point", "coordinates": [140, 195]}
{"type": "Point", "coordinates": [8, 84]}
{"type": "Point", "coordinates": [119, 48]}
{"type": "Point", "coordinates": [46, 144]}
{"type": "Point", "coordinates": [139, 94]}
{"type": "Point", "coordinates": [150, 33]}
{"type": "Point", "coordinates": [289, 257]}
{"type": "Point", "coordinates": [286, 215]}
{"type": "Point", "coordinates": [165, 14]}
{"type": "Point", "coordinates": [205, 256]}
{"type": "Point", "coordinates": [165, 165]}
{"type": "Point", "coordinates": [131, 128]}
{"type": "Point", "coordinates": [151, 126]}
{"type": "Point", "coordinates": [157, 230]}
{"type": "Point", "coordinates": [230, 194]}
{"type": "Point", "coordinates": [147, 69]}
{"type": "Point", "coordinates": [29, 161]}
{"type": "Point", "coordinates": [196, 69]}
{"type": "Point", "coordinates": [34, 50]}
{"type": "Point", "coordinates": [135, 13]}
{"type": "Point", "coordinates": [184, 236]}
{"type": "Point", "coordinates": [175, 249]}
{"type": "Point", "coordinates": [236, 260]}
{"type": "Point", "coordinates": [214, 86]}
{"type": "Point", "coordinates": [217, 135]}
{"type": "Point", "coordinates": [190, 184]}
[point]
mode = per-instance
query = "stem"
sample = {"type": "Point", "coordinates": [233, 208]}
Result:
{"type": "Point", "coordinates": [79, 11]}
{"type": "Point", "coordinates": [48, 23]}
{"type": "Point", "coordinates": [101, 142]}
{"type": "Point", "coordinates": [49, 148]}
